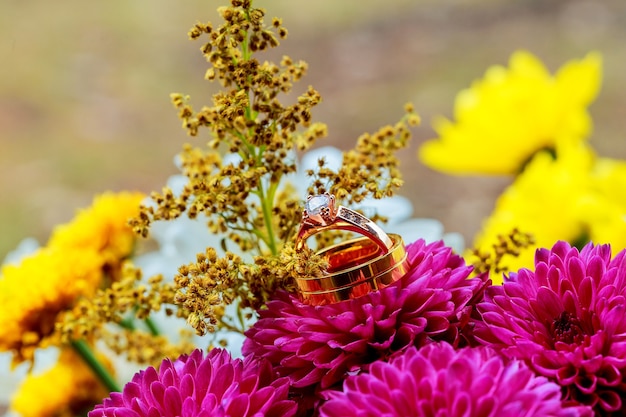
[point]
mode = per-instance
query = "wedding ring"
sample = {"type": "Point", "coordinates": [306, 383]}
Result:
{"type": "Point", "coordinates": [356, 268]}
{"type": "Point", "coordinates": [321, 214]}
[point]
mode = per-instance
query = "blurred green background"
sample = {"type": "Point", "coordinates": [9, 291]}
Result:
{"type": "Point", "coordinates": [84, 88]}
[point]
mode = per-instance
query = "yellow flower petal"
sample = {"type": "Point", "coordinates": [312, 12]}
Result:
{"type": "Point", "coordinates": [607, 212]}
{"type": "Point", "coordinates": [502, 120]}
{"type": "Point", "coordinates": [581, 80]}
{"type": "Point", "coordinates": [102, 227]}
{"type": "Point", "coordinates": [34, 292]}
{"type": "Point", "coordinates": [68, 389]}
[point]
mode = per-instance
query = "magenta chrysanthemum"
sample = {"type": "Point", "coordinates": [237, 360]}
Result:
{"type": "Point", "coordinates": [437, 380]}
{"type": "Point", "coordinates": [316, 346]}
{"type": "Point", "coordinates": [567, 320]}
{"type": "Point", "coordinates": [215, 385]}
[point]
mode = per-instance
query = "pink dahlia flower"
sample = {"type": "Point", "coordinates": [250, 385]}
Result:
{"type": "Point", "coordinates": [437, 380]}
{"type": "Point", "coordinates": [317, 346]}
{"type": "Point", "coordinates": [567, 320]}
{"type": "Point", "coordinates": [193, 385]}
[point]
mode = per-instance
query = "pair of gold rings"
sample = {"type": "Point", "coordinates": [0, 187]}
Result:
{"type": "Point", "coordinates": [357, 266]}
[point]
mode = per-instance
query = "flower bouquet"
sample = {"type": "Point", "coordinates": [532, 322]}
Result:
{"type": "Point", "coordinates": [333, 304]}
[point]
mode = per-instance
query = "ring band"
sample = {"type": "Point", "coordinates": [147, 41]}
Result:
{"type": "Point", "coordinates": [356, 268]}
{"type": "Point", "coordinates": [321, 214]}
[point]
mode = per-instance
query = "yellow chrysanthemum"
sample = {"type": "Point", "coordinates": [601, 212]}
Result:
{"type": "Point", "coordinates": [550, 200]}
{"type": "Point", "coordinates": [69, 389]}
{"type": "Point", "coordinates": [34, 292]}
{"type": "Point", "coordinates": [512, 113]}
{"type": "Point", "coordinates": [102, 227]}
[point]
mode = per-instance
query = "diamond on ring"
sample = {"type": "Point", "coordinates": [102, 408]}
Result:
{"type": "Point", "coordinates": [319, 209]}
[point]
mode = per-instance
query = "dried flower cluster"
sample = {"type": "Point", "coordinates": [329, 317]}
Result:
{"type": "Point", "coordinates": [113, 304]}
{"type": "Point", "coordinates": [243, 194]}
{"type": "Point", "coordinates": [510, 244]}
{"type": "Point", "coordinates": [371, 168]}
{"type": "Point", "coordinates": [147, 348]}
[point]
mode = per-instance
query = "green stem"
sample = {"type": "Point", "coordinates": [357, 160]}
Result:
{"type": "Point", "coordinates": [249, 147]}
{"type": "Point", "coordinates": [266, 205]}
{"type": "Point", "coordinates": [271, 193]}
{"type": "Point", "coordinates": [85, 352]}
{"type": "Point", "coordinates": [128, 323]}
{"type": "Point", "coordinates": [267, 201]}
{"type": "Point", "coordinates": [245, 54]}
{"type": "Point", "coordinates": [240, 318]}
{"type": "Point", "coordinates": [152, 327]}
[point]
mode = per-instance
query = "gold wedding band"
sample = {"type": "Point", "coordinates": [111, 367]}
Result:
{"type": "Point", "coordinates": [356, 268]}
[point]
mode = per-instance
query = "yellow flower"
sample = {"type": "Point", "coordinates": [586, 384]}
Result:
{"type": "Point", "coordinates": [72, 265]}
{"type": "Point", "coordinates": [550, 200]}
{"type": "Point", "coordinates": [34, 292]}
{"type": "Point", "coordinates": [102, 227]}
{"type": "Point", "coordinates": [67, 389]}
{"type": "Point", "coordinates": [512, 113]}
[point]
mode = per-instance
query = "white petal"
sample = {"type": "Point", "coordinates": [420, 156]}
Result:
{"type": "Point", "coordinates": [331, 155]}
{"type": "Point", "coordinates": [430, 230]}
{"type": "Point", "coordinates": [26, 247]}
{"type": "Point", "coordinates": [397, 208]}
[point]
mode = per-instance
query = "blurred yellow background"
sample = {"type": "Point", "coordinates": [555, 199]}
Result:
{"type": "Point", "coordinates": [84, 88]}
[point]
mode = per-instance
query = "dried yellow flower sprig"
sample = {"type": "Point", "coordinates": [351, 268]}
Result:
{"type": "Point", "coordinates": [246, 119]}
{"type": "Point", "coordinates": [114, 303]}
{"type": "Point", "coordinates": [509, 245]}
{"type": "Point", "coordinates": [211, 283]}
{"type": "Point", "coordinates": [371, 168]}
{"type": "Point", "coordinates": [242, 196]}
{"type": "Point", "coordinates": [120, 303]}
{"type": "Point", "coordinates": [146, 348]}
